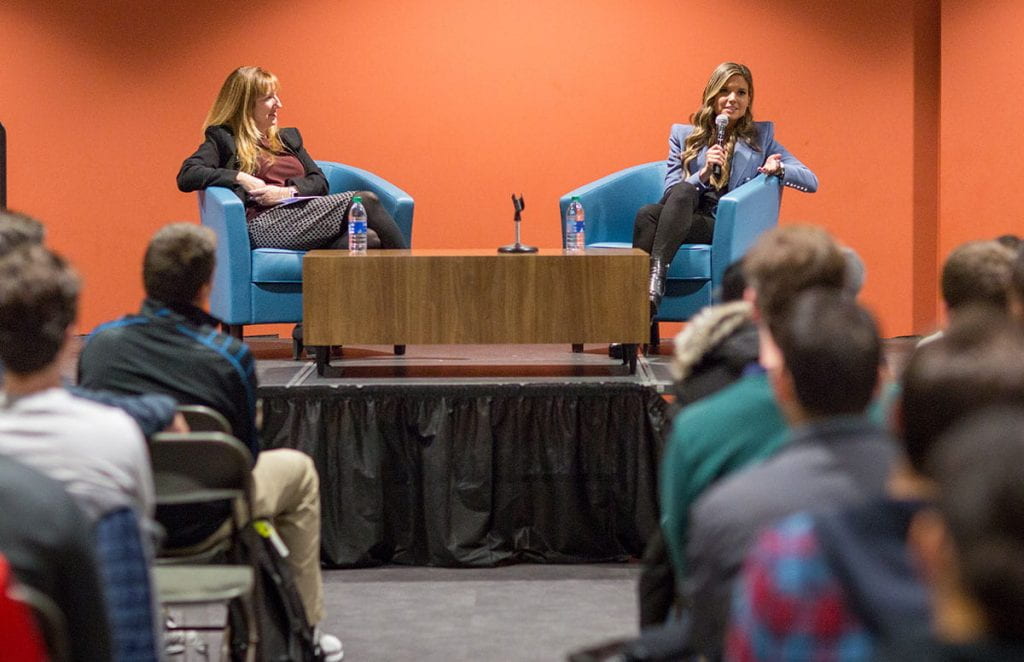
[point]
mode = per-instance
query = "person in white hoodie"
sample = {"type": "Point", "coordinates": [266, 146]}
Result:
{"type": "Point", "coordinates": [96, 451]}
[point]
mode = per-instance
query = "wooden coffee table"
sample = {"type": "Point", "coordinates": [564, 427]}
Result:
{"type": "Point", "coordinates": [398, 297]}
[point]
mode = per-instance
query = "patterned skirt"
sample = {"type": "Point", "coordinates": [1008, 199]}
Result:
{"type": "Point", "coordinates": [302, 225]}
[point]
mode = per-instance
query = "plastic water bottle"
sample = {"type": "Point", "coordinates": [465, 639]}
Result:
{"type": "Point", "coordinates": [357, 227]}
{"type": "Point", "coordinates": [575, 226]}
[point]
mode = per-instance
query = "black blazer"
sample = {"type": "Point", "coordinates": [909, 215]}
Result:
{"type": "Point", "coordinates": [215, 163]}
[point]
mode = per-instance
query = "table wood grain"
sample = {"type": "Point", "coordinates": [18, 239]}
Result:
{"type": "Point", "coordinates": [466, 296]}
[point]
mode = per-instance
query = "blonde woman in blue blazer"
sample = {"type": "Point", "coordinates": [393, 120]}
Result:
{"type": "Point", "coordinates": [686, 212]}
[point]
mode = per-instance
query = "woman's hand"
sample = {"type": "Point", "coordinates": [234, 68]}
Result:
{"type": "Point", "coordinates": [269, 195]}
{"type": "Point", "coordinates": [715, 156]}
{"type": "Point", "coordinates": [248, 182]}
{"type": "Point", "coordinates": [772, 166]}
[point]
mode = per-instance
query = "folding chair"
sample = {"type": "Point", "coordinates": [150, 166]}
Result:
{"type": "Point", "coordinates": [201, 418]}
{"type": "Point", "coordinates": [198, 468]}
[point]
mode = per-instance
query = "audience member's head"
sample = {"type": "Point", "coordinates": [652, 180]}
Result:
{"type": "Point", "coordinates": [179, 263]}
{"type": "Point", "coordinates": [733, 283]}
{"type": "Point", "coordinates": [856, 273]}
{"type": "Point", "coordinates": [1011, 241]}
{"type": "Point", "coordinates": [831, 354]}
{"type": "Point", "coordinates": [977, 541]}
{"type": "Point", "coordinates": [1016, 290]}
{"type": "Point", "coordinates": [786, 261]}
{"type": "Point", "coordinates": [977, 273]}
{"type": "Point", "coordinates": [978, 362]}
{"type": "Point", "coordinates": [38, 303]}
{"type": "Point", "coordinates": [782, 263]}
{"type": "Point", "coordinates": [17, 230]}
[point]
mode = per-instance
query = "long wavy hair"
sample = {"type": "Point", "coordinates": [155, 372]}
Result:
{"type": "Point", "coordinates": [233, 107]}
{"type": "Point", "coordinates": [704, 130]}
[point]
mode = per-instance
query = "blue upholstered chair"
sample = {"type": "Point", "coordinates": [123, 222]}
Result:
{"type": "Point", "coordinates": [264, 285]}
{"type": "Point", "coordinates": [743, 214]}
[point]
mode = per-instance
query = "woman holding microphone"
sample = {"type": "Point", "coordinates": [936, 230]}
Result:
{"type": "Point", "coordinates": [706, 160]}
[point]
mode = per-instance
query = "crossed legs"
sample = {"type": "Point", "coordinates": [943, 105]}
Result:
{"type": "Point", "coordinates": [684, 215]}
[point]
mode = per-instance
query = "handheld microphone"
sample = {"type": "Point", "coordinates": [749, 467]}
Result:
{"type": "Point", "coordinates": [721, 122]}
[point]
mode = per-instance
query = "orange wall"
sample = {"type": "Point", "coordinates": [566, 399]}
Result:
{"type": "Point", "coordinates": [460, 103]}
{"type": "Point", "coordinates": [982, 135]}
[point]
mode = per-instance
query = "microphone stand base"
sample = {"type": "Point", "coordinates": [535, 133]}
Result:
{"type": "Point", "coordinates": [517, 248]}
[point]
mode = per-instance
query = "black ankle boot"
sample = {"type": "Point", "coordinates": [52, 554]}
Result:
{"type": "Point", "coordinates": [656, 286]}
{"type": "Point", "coordinates": [297, 345]}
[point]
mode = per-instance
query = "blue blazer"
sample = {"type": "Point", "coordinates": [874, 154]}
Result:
{"type": "Point", "coordinates": [745, 160]}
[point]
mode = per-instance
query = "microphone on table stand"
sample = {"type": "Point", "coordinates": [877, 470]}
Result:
{"type": "Point", "coordinates": [721, 122]}
{"type": "Point", "coordinates": [518, 247]}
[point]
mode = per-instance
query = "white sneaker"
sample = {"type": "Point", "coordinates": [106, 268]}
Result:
{"type": "Point", "coordinates": [330, 646]}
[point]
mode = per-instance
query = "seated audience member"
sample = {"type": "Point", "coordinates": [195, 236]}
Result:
{"type": "Point", "coordinates": [96, 451]}
{"type": "Point", "coordinates": [715, 349]}
{"type": "Point", "coordinates": [975, 274]}
{"type": "Point", "coordinates": [741, 424]}
{"type": "Point", "coordinates": [153, 413]}
{"type": "Point", "coordinates": [48, 544]}
{"type": "Point", "coordinates": [971, 544]}
{"type": "Point", "coordinates": [833, 585]}
{"type": "Point", "coordinates": [834, 455]}
{"type": "Point", "coordinates": [172, 346]}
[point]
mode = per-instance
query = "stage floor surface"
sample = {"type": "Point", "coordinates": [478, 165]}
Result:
{"type": "Point", "coordinates": [459, 365]}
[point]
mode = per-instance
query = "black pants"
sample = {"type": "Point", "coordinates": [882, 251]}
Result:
{"type": "Point", "coordinates": [381, 229]}
{"type": "Point", "coordinates": [684, 216]}
{"type": "Point", "coordinates": [379, 220]}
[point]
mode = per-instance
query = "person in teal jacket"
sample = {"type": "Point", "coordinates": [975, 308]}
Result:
{"type": "Point", "coordinates": [742, 424]}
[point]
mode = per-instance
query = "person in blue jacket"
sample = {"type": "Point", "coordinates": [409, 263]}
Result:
{"type": "Point", "coordinates": [701, 168]}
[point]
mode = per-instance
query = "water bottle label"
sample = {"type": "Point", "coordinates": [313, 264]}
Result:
{"type": "Point", "coordinates": [577, 227]}
{"type": "Point", "coordinates": [357, 227]}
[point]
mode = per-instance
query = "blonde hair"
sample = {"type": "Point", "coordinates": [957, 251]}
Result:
{"type": "Point", "coordinates": [703, 120]}
{"type": "Point", "coordinates": [233, 107]}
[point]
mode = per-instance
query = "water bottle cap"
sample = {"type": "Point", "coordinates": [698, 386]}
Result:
{"type": "Point", "coordinates": [576, 198]}
{"type": "Point", "coordinates": [358, 198]}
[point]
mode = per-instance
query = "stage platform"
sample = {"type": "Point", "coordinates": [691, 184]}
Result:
{"type": "Point", "coordinates": [473, 455]}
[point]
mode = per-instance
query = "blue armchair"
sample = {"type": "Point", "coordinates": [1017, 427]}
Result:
{"type": "Point", "coordinates": [264, 285]}
{"type": "Point", "coordinates": [743, 214]}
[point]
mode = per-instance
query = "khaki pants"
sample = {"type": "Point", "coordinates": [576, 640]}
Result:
{"type": "Point", "coordinates": [286, 491]}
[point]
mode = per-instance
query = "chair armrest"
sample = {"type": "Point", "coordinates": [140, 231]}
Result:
{"type": "Point", "coordinates": [743, 215]}
{"type": "Point", "coordinates": [342, 177]}
{"type": "Point", "coordinates": [611, 203]}
{"type": "Point", "coordinates": [222, 211]}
